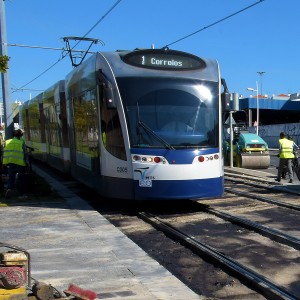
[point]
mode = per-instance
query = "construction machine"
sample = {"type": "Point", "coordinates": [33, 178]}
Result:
{"type": "Point", "coordinates": [15, 280]}
{"type": "Point", "coordinates": [250, 151]}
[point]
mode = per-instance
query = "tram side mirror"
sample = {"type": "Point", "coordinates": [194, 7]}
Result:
{"type": "Point", "coordinates": [235, 102]}
{"type": "Point", "coordinates": [225, 97]}
{"type": "Point", "coordinates": [226, 103]}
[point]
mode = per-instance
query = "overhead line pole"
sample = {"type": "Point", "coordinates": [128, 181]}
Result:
{"type": "Point", "coordinates": [8, 119]}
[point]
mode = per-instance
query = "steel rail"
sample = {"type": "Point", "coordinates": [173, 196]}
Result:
{"type": "Point", "coordinates": [272, 186]}
{"type": "Point", "coordinates": [241, 178]}
{"type": "Point", "coordinates": [258, 282]}
{"type": "Point", "coordinates": [263, 199]}
{"type": "Point", "coordinates": [245, 176]}
{"type": "Point", "coordinates": [272, 233]}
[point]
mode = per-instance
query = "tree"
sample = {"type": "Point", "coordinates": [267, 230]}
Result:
{"type": "Point", "coordinates": [3, 63]}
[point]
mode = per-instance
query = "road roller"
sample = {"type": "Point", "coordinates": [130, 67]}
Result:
{"type": "Point", "coordinates": [251, 152]}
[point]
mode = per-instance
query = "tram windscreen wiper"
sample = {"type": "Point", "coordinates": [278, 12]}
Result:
{"type": "Point", "coordinates": [149, 130]}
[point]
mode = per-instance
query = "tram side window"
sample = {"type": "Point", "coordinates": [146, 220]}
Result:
{"type": "Point", "coordinates": [34, 117]}
{"type": "Point", "coordinates": [53, 128]}
{"type": "Point", "coordinates": [111, 130]}
{"type": "Point", "coordinates": [86, 130]}
{"type": "Point", "coordinates": [24, 116]}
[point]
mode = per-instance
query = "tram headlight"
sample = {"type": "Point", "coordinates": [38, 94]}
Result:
{"type": "Point", "coordinates": [149, 159]}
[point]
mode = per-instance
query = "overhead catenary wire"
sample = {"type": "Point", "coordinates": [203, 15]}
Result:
{"type": "Point", "coordinates": [45, 48]}
{"type": "Point", "coordinates": [64, 55]}
{"type": "Point", "coordinates": [101, 19]}
{"type": "Point", "coordinates": [38, 76]}
{"type": "Point", "coordinates": [22, 88]}
{"type": "Point", "coordinates": [105, 15]}
{"type": "Point", "coordinates": [214, 23]}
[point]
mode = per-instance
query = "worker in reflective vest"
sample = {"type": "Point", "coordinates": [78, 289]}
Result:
{"type": "Point", "coordinates": [286, 156]}
{"type": "Point", "coordinates": [14, 157]}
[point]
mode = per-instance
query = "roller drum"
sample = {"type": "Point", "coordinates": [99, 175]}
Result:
{"type": "Point", "coordinates": [254, 161]}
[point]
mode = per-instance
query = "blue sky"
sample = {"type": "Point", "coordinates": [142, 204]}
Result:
{"type": "Point", "coordinates": [262, 38]}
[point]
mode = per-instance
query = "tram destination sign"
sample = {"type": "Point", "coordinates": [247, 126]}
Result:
{"type": "Point", "coordinates": [164, 60]}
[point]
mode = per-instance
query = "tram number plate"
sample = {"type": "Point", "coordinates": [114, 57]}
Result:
{"type": "Point", "coordinates": [145, 183]}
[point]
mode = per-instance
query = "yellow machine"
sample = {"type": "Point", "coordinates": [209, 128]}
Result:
{"type": "Point", "coordinates": [14, 270]}
{"type": "Point", "coordinates": [15, 280]}
{"type": "Point", "coordinates": [250, 151]}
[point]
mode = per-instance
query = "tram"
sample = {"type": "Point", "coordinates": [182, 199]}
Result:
{"type": "Point", "coordinates": [142, 124]}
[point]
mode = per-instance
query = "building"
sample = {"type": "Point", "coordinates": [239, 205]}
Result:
{"type": "Point", "coordinates": [15, 113]}
{"type": "Point", "coordinates": [278, 113]}
{"type": "Point", "coordinates": [277, 109]}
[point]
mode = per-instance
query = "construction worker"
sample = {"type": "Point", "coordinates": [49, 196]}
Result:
{"type": "Point", "coordinates": [286, 156]}
{"type": "Point", "coordinates": [294, 160]}
{"type": "Point", "coordinates": [15, 158]}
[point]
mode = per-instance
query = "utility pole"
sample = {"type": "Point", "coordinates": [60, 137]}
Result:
{"type": "Point", "coordinates": [8, 119]}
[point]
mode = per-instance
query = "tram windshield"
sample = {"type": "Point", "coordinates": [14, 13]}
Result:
{"type": "Point", "coordinates": [170, 113]}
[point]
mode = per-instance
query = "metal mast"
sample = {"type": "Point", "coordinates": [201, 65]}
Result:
{"type": "Point", "coordinates": [8, 119]}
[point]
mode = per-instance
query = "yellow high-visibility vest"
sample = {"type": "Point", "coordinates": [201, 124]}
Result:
{"type": "Point", "coordinates": [286, 149]}
{"type": "Point", "coordinates": [13, 152]}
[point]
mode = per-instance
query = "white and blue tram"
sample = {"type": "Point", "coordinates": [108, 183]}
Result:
{"type": "Point", "coordinates": [144, 125]}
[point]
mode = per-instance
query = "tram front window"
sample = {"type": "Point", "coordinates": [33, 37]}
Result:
{"type": "Point", "coordinates": [174, 113]}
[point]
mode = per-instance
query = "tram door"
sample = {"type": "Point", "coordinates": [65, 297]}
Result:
{"type": "Point", "coordinates": [111, 131]}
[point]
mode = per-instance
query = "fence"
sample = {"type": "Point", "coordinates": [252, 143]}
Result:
{"type": "Point", "coordinates": [270, 133]}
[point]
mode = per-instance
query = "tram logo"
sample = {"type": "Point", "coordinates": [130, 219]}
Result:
{"type": "Point", "coordinates": [144, 181]}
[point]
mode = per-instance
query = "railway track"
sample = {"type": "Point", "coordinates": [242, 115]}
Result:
{"type": "Point", "coordinates": [203, 235]}
{"type": "Point", "coordinates": [255, 190]}
{"type": "Point", "coordinates": [255, 280]}
{"type": "Point", "coordinates": [259, 182]}
{"type": "Point", "coordinates": [271, 233]}
{"type": "Point", "coordinates": [214, 231]}
{"type": "Point", "coordinates": [240, 240]}
{"type": "Point", "coordinates": [264, 202]}
{"type": "Point", "coordinates": [253, 197]}
{"type": "Point", "coordinates": [214, 255]}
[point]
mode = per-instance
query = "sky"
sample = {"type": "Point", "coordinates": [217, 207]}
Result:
{"type": "Point", "coordinates": [262, 38]}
